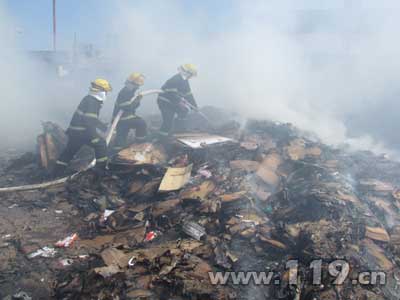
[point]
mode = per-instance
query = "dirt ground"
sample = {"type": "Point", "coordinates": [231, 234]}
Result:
{"type": "Point", "coordinates": [31, 221]}
{"type": "Point", "coordinates": [267, 197]}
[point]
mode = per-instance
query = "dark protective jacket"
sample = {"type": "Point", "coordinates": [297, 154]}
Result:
{"type": "Point", "coordinates": [86, 117]}
{"type": "Point", "coordinates": [176, 88]}
{"type": "Point", "coordinates": [125, 103]}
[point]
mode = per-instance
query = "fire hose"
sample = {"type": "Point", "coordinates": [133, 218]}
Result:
{"type": "Point", "coordinates": [196, 109]}
{"type": "Point", "coordinates": [119, 114]}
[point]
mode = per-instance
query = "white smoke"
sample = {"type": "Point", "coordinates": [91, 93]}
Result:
{"type": "Point", "coordinates": [328, 67]}
{"type": "Point", "coordinates": [313, 65]}
{"type": "Point", "coordinates": [14, 96]}
{"type": "Point", "coordinates": [28, 91]}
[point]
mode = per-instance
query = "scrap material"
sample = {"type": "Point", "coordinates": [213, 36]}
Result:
{"type": "Point", "coordinates": [175, 178]}
{"type": "Point", "coordinates": [197, 141]}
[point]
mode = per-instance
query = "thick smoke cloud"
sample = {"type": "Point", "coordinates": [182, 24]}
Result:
{"type": "Point", "coordinates": [328, 68]}
{"type": "Point", "coordinates": [16, 102]}
{"type": "Point", "coordinates": [30, 92]}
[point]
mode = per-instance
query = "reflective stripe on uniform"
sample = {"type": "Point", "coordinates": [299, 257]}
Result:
{"type": "Point", "coordinates": [187, 94]}
{"type": "Point", "coordinates": [171, 90]}
{"type": "Point", "coordinates": [129, 117]}
{"type": "Point", "coordinates": [102, 159]}
{"type": "Point", "coordinates": [96, 140]}
{"type": "Point", "coordinates": [59, 162]}
{"type": "Point", "coordinates": [79, 128]}
{"type": "Point", "coordinates": [127, 103]}
{"type": "Point", "coordinates": [163, 98]}
{"type": "Point", "coordinates": [91, 115]}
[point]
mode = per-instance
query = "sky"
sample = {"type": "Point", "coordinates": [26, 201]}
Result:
{"type": "Point", "coordinates": [90, 19]}
{"type": "Point", "coordinates": [330, 67]}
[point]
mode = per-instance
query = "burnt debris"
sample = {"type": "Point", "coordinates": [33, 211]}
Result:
{"type": "Point", "coordinates": [172, 212]}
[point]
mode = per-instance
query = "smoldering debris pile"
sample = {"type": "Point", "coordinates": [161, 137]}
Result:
{"type": "Point", "coordinates": [253, 200]}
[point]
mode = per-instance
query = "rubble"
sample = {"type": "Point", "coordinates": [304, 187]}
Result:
{"type": "Point", "coordinates": [201, 140]}
{"type": "Point", "coordinates": [175, 178]}
{"type": "Point", "coordinates": [43, 252]}
{"type": "Point", "coordinates": [159, 224]}
{"type": "Point", "coordinates": [194, 230]}
{"type": "Point", "coordinates": [66, 242]}
{"type": "Point", "coordinates": [50, 144]}
{"type": "Point", "coordinates": [141, 154]}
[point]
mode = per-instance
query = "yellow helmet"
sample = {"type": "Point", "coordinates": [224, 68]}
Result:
{"type": "Point", "coordinates": [101, 85]}
{"type": "Point", "coordinates": [189, 68]}
{"type": "Point", "coordinates": [137, 78]}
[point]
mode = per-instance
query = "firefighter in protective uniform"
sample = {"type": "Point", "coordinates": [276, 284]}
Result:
{"type": "Point", "coordinates": [177, 99]}
{"type": "Point", "coordinates": [82, 129]}
{"type": "Point", "coordinates": [128, 101]}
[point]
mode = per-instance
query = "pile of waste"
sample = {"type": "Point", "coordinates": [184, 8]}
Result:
{"type": "Point", "coordinates": [264, 198]}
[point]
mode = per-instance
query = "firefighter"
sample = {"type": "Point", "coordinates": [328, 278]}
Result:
{"type": "Point", "coordinates": [177, 99]}
{"type": "Point", "coordinates": [82, 129]}
{"type": "Point", "coordinates": [128, 101]}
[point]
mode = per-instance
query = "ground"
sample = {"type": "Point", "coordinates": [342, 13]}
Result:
{"type": "Point", "coordinates": [270, 196]}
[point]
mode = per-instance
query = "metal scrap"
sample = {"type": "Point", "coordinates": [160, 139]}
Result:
{"type": "Point", "coordinates": [194, 230]}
